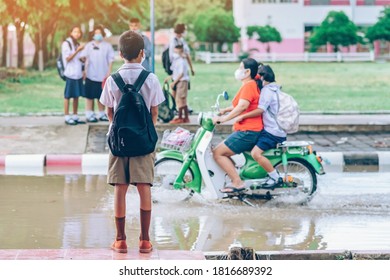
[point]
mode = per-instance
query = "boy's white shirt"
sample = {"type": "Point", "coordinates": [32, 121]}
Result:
{"type": "Point", "coordinates": [180, 66]}
{"type": "Point", "coordinates": [151, 90]}
{"type": "Point", "coordinates": [177, 41]}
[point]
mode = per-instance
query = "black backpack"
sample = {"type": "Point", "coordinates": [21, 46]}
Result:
{"type": "Point", "coordinates": [132, 132]}
{"type": "Point", "coordinates": [166, 62]}
{"type": "Point", "coordinates": [167, 109]}
{"type": "Point", "coordinates": [60, 63]}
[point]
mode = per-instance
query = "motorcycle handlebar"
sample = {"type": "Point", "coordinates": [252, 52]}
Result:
{"type": "Point", "coordinates": [225, 95]}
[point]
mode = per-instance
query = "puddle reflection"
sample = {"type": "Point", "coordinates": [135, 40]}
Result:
{"type": "Point", "coordinates": [350, 211]}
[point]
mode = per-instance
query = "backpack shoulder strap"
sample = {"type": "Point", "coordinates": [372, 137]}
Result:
{"type": "Point", "coordinates": [141, 79]}
{"type": "Point", "coordinates": [137, 85]}
{"type": "Point", "coordinates": [119, 81]}
{"type": "Point", "coordinates": [70, 45]}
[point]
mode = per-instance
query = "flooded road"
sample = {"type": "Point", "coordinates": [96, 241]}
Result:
{"type": "Point", "coordinates": [349, 211]}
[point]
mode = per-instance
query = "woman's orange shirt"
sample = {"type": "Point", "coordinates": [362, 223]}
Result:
{"type": "Point", "coordinates": [250, 92]}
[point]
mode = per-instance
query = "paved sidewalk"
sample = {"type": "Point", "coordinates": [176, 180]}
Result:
{"type": "Point", "coordinates": [50, 135]}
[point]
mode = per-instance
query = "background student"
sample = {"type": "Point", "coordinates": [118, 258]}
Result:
{"type": "Point", "coordinates": [179, 85]}
{"type": "Point", "coordinates": [135, 25]}
{"type": "Point", "coordinates": [178, 39]}
{"type": "Point", "coordinates": [70, 50]}
{"type": "Point", "coordinates": [99, 57]}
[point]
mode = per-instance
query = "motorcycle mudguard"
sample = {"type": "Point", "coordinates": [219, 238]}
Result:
{"type": "Point", "coordinates": [312, 160]}
{"type": "Point", "coordinates": [196, 183]}
{"type": "Point", "coordinates": [252, 170]}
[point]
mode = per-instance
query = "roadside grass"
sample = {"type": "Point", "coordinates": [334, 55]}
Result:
{"type": "Point", "coordinates": [319, 87]}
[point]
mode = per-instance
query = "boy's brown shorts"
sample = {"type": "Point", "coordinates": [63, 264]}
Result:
{"type": "Point", "coordinates": [131, 170]}
{"type": "Point", "coordinates": [181, 94]}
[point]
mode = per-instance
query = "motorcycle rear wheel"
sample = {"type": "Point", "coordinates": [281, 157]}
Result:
{"type": "Point", "coordinates": [165, 173]}
{"type": "Point", "coordinates": [302, 171]}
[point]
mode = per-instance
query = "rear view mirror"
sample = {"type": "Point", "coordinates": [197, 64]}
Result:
{"type": "Point", "coordinates": [225, 95]}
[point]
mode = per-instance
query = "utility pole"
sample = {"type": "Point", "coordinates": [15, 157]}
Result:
{"type": "Point", "coordinates": [40, 51]}
{"type": "Point", "coordinates": [152, 31]}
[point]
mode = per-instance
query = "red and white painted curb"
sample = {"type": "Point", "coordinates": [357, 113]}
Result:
{"type": "Point", "coordinates": [97, 164]}
{"type": "Point", "coordinates": [56, 164]}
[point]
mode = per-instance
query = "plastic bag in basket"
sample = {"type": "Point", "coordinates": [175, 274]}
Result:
{"type": "Point", "coordinates": [178, 137]}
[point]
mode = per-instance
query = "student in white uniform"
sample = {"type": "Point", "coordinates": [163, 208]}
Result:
{"type": "Point", "coordinates": [179, 85]}
{"type": "Point", "coordinates": [178, 39]}
{"type": "Point", "coordinates": [135, 25]}
{"type": "Point", "coordinates": [99, 57]}
{"type": "Point", "coordinates": [71, 49]}
{"type": "Point", "coordinates": [138, 171]}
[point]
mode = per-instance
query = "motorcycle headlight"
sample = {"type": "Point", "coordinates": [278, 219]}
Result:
{"type": "Point", "coordinates": [200, 117]}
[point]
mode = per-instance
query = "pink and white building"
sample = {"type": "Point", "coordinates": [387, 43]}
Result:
{"type": "Point", "coordinates": [295, 19]}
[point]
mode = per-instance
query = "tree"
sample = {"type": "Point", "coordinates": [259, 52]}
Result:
{"type": "Point", "coordinates": [48, 21]}
{"type": "Point", "coordinates": [337, 29]}
{"type": "Point", "coordinates": [381, 30]}
{"type": "Point", "coordinates": [18, 12]}
{"type": "Point", "coordinates": [44, 17]}
{"type": "Point", "coordinates": [4, 21]}
{"type": "Point", "coordinates": [264, 34]}
{"type": "Point", "coordinates": [216, 26]}
{"type": "Point", "coordinates": [169, 12]}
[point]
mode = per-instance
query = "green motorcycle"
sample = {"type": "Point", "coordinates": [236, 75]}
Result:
{"type": "Point", "coordinates": [186, 166]}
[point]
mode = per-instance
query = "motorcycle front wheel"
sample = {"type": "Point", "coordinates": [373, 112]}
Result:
{"type": "Point", "coordinates": [302, 174]}
{"type": "Point", "coordinates": [165, 173]}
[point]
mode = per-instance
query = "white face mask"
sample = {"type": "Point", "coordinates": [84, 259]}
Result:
{"type": "Point", "coordinates": [239, 74]}
{"type": "Point", "coordinates": [143, 58]}
{"type": "Point", "coordinates": [176, 55]}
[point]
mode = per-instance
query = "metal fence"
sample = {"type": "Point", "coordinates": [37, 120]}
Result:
{"type": "Point", "coordinates": [209, 57]}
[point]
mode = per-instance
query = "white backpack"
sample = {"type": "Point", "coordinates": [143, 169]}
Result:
{"type": "Point", "coordinates": [287, 117]}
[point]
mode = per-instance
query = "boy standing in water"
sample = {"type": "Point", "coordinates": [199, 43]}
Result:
{"type": "Point", "coordinates": [138, 171]}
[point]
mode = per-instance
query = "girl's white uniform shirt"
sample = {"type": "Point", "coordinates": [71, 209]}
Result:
{"type": "Point", "coordinates": [99, 56]}
{"type": "Point", "coordinates": [73, 68]}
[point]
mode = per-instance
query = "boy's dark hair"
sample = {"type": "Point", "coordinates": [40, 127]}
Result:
{"type": "Point", "coordinates": [267, 73]}
{"type": "Point", "coordinates": [251, 64]}
{"type": "Point", "coordinates": [134, 20]}
{"type": "Point", "coordinates": [130, 44]}
{"type": "Point", "coordinates": [180, 28]}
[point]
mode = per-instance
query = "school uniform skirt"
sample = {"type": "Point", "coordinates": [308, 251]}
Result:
{"type": "Point", "coordinates": [93, 89]}
{"type": "Point", "coordinates": [73, 88]}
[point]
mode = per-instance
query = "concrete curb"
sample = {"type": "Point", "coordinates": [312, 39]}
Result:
{"type": "Point", "coordinates": [313, 128]}
{"type": "Point", "coordinates": [308, 255]}
{"type": "Point", "coordinates": [96, 164]}
{"type": "Point", "coordinates": [352, 161]}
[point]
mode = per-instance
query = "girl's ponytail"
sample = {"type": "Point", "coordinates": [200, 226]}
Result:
{"type": "Point", "coordinates": [253, 66]}
{"type": "Point", "coordinates": [259, 82]}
